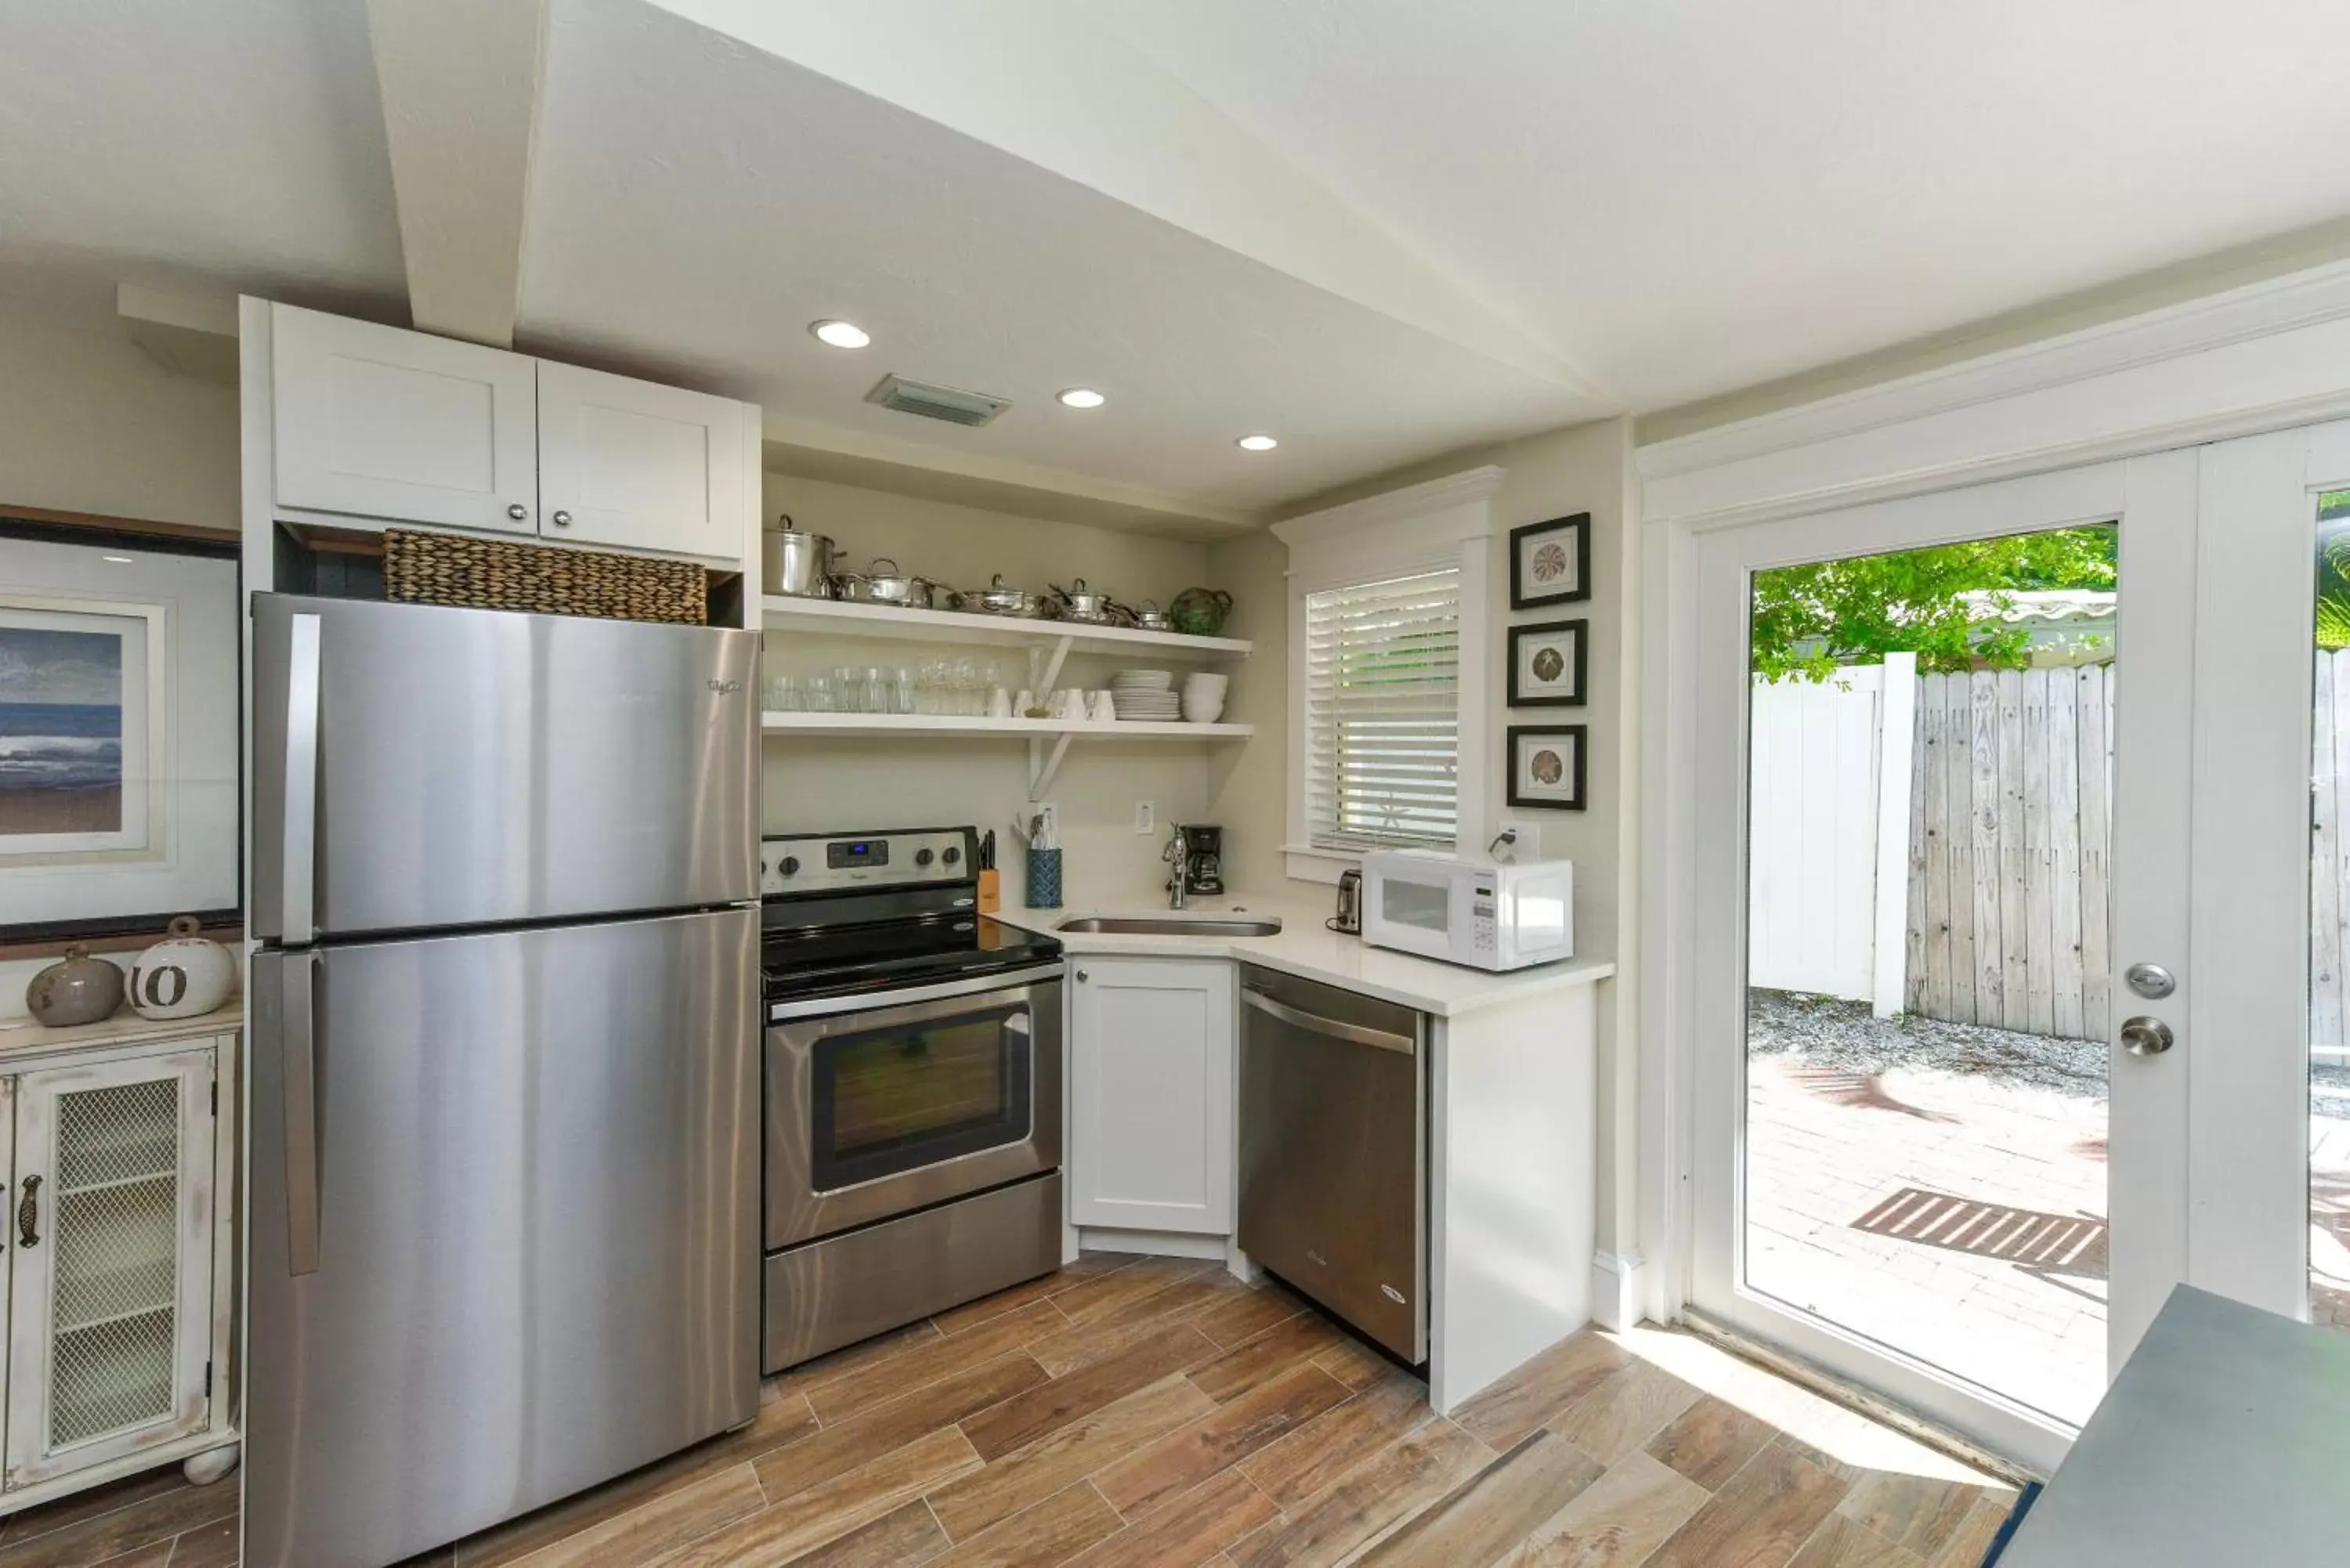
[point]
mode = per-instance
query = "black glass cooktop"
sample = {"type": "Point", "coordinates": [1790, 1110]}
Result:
{"type": "Point", "coordinates": [888, 955]}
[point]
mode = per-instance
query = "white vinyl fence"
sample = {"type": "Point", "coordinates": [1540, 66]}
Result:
{"type": "Point", "coordinates": [1828, 835]}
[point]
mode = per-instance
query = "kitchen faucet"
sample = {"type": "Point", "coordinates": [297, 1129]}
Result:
{"type": "Point", "coordinates": [1178, 853]}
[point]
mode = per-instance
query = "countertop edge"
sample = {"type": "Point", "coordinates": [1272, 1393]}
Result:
{"type": "Point", "coordinates": [1439, 989]}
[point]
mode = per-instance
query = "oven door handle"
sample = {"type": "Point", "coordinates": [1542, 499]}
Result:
{"type": "Point", "coordinates": [880, 1001]}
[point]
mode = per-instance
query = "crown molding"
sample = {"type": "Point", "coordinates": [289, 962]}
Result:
{"type": "Point", "coordinates": [2265, 355]}
{"type": "Point", "coordinates": [1436, 501]}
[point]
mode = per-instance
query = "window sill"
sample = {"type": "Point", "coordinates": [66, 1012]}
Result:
{"type": "Point", "coordinates": [1311, 863]}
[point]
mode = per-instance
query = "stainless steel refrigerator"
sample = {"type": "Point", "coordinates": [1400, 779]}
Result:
{"type": "Point", "coordinates": [503, 1238]}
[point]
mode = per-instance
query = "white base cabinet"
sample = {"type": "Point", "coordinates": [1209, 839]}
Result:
{"type": "Point", "coordinates": [116, 1291]}
{"type": "Point", "coordinates": [1151, 1076]}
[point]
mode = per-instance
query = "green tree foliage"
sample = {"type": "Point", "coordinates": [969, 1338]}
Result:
{"type": "Point", "coordinates": [2333, 569]}
{"type": "Point", "coordinates": [1811, 620]}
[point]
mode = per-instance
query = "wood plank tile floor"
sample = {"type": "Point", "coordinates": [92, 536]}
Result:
{"type": "Point", "coordinates": [1151, 1411]}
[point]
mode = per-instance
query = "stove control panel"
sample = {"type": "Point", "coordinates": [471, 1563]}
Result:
{"type": "Point", "coordinates": [827, 863]}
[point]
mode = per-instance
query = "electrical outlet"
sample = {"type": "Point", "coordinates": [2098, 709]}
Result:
{"type": "Point", "coordinates": [1528, 845]}
{"type": "Point", "coordinates": [1146, 817]}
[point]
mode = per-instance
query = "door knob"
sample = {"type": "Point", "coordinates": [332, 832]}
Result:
{"type": "Point", "coordinates": [517, 511]}
{"type": "Point", "coordinates": [2147, 1036]}
{"type": "Point", "coordinates": [2150, 981]}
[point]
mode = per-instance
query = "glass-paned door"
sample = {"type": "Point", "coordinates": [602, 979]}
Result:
{"type": "Point", "coordinates": [2023, 853]}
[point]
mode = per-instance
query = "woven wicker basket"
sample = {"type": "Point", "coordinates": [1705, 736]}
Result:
{"type": "Point", "coordinates": [502, 573]}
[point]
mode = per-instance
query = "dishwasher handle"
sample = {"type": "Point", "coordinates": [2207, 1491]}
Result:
{"type": "Point", "coordinates": [1337, 1029]}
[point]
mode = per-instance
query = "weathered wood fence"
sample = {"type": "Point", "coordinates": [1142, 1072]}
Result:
{"type": "Point", "coordinates": [2010, 844]}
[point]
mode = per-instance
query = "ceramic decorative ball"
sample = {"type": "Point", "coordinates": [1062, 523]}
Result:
{"type": "Point", "coordinates": [78, 989]}
{"type": "Point", "coordinates": [183, 976]}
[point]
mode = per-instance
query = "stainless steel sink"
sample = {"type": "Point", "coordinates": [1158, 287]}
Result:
{"type": "Point", "coordinates": [1167, 925]}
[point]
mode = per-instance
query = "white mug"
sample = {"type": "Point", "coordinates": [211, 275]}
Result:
{"type": "Point", "coordinates": [1022, 703]}
{"type": "Point", "coordinates": [1064, 703]}
{"type": "Point", "coordinates": [1105, 708]}
{"type": "Point", "coordinates": [999, 705]}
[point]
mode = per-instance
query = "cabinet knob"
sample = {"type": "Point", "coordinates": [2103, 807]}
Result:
{"type": "Point", "coordinates": [563, 520]}
{"type": "Point", "coordinates": [518, 511]}
{"type": "Point", "coordinates": [1082, 975]}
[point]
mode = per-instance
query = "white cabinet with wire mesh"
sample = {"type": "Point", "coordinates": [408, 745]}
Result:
{"type": "Point", "coordinates": [117, 1248]}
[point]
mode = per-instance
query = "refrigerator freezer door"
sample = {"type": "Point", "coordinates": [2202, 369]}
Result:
{"type": "Point", "coordinates": [417, 766]}
{"type": "Point", "coordinates": [534, 1157]}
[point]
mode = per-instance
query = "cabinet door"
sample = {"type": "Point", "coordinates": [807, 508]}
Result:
{"type": "Point", "coordinates": [641, 466]}
{"type": "Point", "coordinates": [1151, 1051]}
{"type": "Point", "coordinates": [110, 1299]}
{"type": "Point", "coordinates": [402, 427]}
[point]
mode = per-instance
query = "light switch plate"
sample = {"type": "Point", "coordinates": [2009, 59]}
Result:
{"type": "Point", "coordinates": [1146, 817]}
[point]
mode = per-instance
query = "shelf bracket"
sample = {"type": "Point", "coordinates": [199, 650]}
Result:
{"type": "Point", "coordinates": [1042, 767]}
{"type": "Point", "coordinates": [1053, 662]}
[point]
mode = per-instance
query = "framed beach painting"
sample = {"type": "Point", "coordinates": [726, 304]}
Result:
{"type": "Point", "coordinates": [1550, 664]}
{"type": "Point", "coordinates": [1547, 767]}
{"type": "Point", "coordinates": [119, 734]}
{"type": "Point", "coordinates": [79, 724]}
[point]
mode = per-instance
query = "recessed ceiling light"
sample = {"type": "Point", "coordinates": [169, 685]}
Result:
{"type": "Point", "coordinates": [120, 560]}
{"type": "Point", "coordinates": [1083, 398]}
{"type": "Point", "coordinates": [1257, 443]}
{"type": "Point", "coordinates": [840, 334]}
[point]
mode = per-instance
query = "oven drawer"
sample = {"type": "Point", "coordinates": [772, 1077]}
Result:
{"type": "Point", "coordinates": [899, 1105]}
{"type": "Point", "coordinates": [838, 1291]}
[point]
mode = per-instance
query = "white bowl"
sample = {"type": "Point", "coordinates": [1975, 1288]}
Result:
{"type": "Point", "coordinates": [1203, 713]}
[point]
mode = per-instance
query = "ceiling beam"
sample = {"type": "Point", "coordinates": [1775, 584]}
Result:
{"type": "Point", "coordinates": [460, 81]}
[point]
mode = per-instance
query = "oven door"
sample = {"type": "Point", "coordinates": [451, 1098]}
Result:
{"type": "Point", "coordinates": [913, 1097]}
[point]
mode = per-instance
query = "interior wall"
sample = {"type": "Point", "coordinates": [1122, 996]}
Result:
{"type": "Point", "coordinates": [838, 785]}
{"type": "Point", "coordinates": [89, 423]}
{"type": "Point", "coordinates": [1584, 468]}
{"type": "Point", "coordinates": [1247, 783]}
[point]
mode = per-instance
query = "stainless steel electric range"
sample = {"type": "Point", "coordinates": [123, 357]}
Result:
{"type": "Point", "coordinates": [912, 1088]}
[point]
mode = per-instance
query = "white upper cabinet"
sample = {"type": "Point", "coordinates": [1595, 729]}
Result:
{"type": "Point", "coordinates": [374, 422]}
{"type": "Point", "coordinates": [1150, 1121]}
{"type": "Point", "coordinates": [644, 467]}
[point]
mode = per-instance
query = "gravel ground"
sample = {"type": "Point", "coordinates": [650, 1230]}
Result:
{"type": "Point", "coordinates": [1827, 1033]}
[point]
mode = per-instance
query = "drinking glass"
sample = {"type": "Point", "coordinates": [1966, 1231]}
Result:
{"type": "Point", "coordinates": [901, 691]}
{"type": "Point", "coordinates": [817, 694]}
{"type": "Point", "coordinates": [876, 694]}
{"type": "Point", "coordinates": [847, 691]}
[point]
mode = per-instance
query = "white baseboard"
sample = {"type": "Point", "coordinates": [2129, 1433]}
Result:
{"type": "Point", "coordinates": [1618, 1288]}
{"type": "Point", "coordinates": [1151, 1243]}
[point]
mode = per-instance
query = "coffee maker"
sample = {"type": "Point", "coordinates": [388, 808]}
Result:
{"type": "Point", "coordinates": [1204, 865]}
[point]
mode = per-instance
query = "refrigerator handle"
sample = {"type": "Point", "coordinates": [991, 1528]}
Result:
{"type": "Point", "coordinates": [299, 1022]}
{"type": "Point", "coordinates": [301, 847]}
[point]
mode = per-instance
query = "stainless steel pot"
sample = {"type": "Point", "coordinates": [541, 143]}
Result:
{"type": "Point", "coordinates": [1149, 617]}
{"type": "Point", "coordinates": [878, 587]}
{"type": "Point", "coordinates": [1079, 603]}
{"type": "Point", "coordinates": [997, 599]}
{"type": "Point", "coordinates": [795, 562]}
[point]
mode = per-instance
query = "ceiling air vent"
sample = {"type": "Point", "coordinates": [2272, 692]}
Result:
{"type": "Point", "coordinates": [948, 403]}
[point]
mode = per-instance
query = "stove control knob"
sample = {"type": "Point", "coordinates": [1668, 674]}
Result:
{"type": "Point", "coordinates": [923, 857]}
{"type": "Point", "coordinates": [950, 854]}
{"type": "Point", "coordinates": [791, 865]}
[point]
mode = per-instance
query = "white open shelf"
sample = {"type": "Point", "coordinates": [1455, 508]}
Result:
{"type": "Point", "coordinates": [1048, 739]}
{"type": "Point", "coordinates": [839, 617]}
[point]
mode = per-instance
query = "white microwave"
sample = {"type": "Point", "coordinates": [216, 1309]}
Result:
{"type": "Point", "coordinates": [1478, 913]}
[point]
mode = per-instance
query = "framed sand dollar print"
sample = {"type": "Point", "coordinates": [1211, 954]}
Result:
{"type": "Point", "coordinates": [1547, 766]}
{"type": "Point", "coordinates": [1548, 664]}
{"type": "Point", "coordinates": [1550, 563]}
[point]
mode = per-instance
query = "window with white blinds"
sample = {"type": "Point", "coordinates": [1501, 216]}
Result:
{"type": "Point", "coordinates": [1383, 711]}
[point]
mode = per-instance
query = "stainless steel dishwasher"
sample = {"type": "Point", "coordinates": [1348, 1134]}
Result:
{"type": "Point", "coordinates": [1334, 1152]}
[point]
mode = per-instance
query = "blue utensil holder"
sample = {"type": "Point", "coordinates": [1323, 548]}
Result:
{"type": "Point", "coordinates": [1044, 878]}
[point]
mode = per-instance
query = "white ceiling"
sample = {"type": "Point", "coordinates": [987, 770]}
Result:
{"type": "Point", "coordinates": [1690, 196]}
{"type": "Point", "coordinates": [1378, 228]}
{"type": "Point", "coordinates": [160, 141]}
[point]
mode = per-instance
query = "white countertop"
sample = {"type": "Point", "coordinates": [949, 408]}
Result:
{"type": "Point", "coordinates": [1309, 950]}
